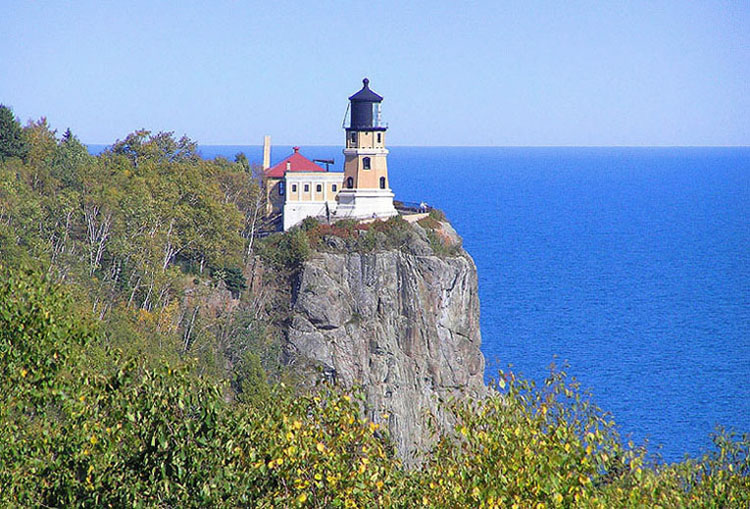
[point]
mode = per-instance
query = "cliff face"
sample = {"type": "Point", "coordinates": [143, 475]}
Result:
{"type": "Point", "coordinates": [402, 324]}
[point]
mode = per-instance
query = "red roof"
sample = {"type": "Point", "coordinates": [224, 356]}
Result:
{"type": "Point", "coordinates": [296, 162]}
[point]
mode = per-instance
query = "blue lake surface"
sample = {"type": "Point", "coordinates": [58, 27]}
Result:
{"type": "Point", "coordinates": [631, 264]}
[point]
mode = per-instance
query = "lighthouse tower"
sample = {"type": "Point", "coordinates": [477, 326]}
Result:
{"type": "Point", "coordinates": [365, 192]}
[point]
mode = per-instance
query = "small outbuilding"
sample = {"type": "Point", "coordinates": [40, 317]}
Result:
{"type": "Point", "coordinates": [298, 188]}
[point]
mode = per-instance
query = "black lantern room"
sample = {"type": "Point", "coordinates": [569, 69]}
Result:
{"type": "Point", "coordinates": [364, 107]}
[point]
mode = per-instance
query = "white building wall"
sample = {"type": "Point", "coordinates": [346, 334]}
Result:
{"type": "Point", "coordinates": [301, 205]}
{"type": "Point", "coordinates": [365, 203]}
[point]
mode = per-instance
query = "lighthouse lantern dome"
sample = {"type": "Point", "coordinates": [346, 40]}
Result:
{"type": "Point", "coordinates": [365, 109]}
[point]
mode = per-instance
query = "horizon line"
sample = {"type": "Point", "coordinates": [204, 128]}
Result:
{"type": "Point", "coordinates": [455, 146]}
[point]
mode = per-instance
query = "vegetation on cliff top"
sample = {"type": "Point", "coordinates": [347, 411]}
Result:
{"type": "Point", "coordinates": [289, 250]}
{"type": "Point", "coordinates": [139, 364]}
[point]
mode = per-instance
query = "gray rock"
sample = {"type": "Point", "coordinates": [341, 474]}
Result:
{"type": "Point", "coordinates": [418, 244]}
{"type": "Point", "coordinates": [402, 325]}
{"type": "Point", "coordinates": [334, 242]}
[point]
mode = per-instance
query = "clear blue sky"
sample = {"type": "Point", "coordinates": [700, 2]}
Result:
{"type": "Point", "coordinates": [452, 73]}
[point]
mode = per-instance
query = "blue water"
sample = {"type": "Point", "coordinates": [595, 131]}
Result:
{"type": "Point", "coordinates": [631, 264]}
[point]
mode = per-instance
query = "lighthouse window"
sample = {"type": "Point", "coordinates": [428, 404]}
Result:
{"type": "Point", "coordinates": [382, 182]}
{"type": "Point", "coordinates": [294, 188]}
{"type": "Point", "coordinates": [318, 188]}
{"type": "Point", "coordinates": [350, 182]}
{"type": "Point", "coordinates": [379, 139]}
{"type": "Point", "coordinates": [366, 163]}
{"type": "Point", "coordinates": [307, 188]}
{"type": "Point", "coordinates": [354, 137]}
{"type": "Point", "coordinates": [333, 188]}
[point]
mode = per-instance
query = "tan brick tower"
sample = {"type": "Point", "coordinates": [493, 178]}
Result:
{"type": "Point", "coordinates": [366, 192]}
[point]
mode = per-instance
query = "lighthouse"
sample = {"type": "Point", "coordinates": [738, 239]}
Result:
{"type": "Point", "coordinates": [365, 192]}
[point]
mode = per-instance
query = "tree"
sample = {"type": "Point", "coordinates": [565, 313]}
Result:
{"type": "Point", "coordinates": [12, 143]}
{"type": "Point", "coordinates": [161, 147]}
{"type": "Point", "coordinates": [250, 380]}
{"type": "Point", "coordinates": [241, 159]}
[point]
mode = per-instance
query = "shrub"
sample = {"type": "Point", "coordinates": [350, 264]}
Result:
{"type": "Point", "coordinates": [232, 277]}
{"type": "Point", "coordinates": [437, 215]}
{"type": "Point", "coordinates": [250, 381]}
{"type": "Point", "coordinates": [308, 224]}
{"type": "Point", "coordinates": [552, 447]}
{"type": "Point", "coordinates": [440, 244]}
{"type": "Point", "coordinates": [361, 237]}
{"type": "Point", "coordinates": [285, 251]}
{"type": "Point", "coordinates": [429, 223]}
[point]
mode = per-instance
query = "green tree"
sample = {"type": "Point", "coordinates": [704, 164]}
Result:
{"type": "Point", "coordinates": [142, 145]}
{"type": "Point", "coordinates": [250, 380]}
{"type": "Point", "coordinates": [12, 143]}
{"type": "Point", "coordinates": [42, 143]}
{"type": "Point", "coordinates": [241, 159]}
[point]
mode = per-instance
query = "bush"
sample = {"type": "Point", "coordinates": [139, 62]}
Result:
{"type": "Point", "coordinates": [440, 245]}
{"type": "Point", "coordinates": [437, 215]}
{"type": "Point", "coordinates": [429, 223]}
{"type": "Point", "coordinates": [250, 381]}
{"type": "Point", "coordinates": [285, 251]}
{"type": "Point", "coordinates": [362, 237]}
{"type": "Point", "coordinates": [308, 224]}
{"type": "Point", "coordinates": [552, 447]}
{"type": "Point", "coordinates": [232, 277]}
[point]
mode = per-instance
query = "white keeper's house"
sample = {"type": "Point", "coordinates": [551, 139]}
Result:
{"type": "Point", "coordinates": [298, 188]}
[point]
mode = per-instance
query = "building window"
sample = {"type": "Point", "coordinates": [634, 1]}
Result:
{"type": "Point", "coordinates": [382, 182]}
{"type": "Point", "coordinates": [318, 188]}
{"type": "Point", "coordinates": [366, 163]}
{"type": "Point", "coordinates": [354, 137]}
{"type": "Point", "coordinates": [307, 188]}
{"type": "Point", "coordinates": [379, 138]}
{"type": "Point", "coordinates": [333, 188]}
{"type": "Point", "coordinates": [350, 182]}
{"type": "Point", "coordinates": [281, 188]}
{"type": "Point", "coordinates": [294, 188]}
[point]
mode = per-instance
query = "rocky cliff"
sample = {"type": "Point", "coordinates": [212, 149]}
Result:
{"type": "Point", "coordinates": [401, 323]}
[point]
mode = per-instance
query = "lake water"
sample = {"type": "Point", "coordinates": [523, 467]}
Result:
{"type": "Point", "coordinates": [631, 264]}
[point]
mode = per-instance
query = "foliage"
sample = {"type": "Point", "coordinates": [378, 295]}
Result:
{"type": "Point", "coordinates": [522, 448]}
{"type": "Point", "coordinates": [250, 380]}
{"type": "Point", "coordinates": [253, 340]}
{"type": "Point", "coordinates": [12, 143]}
{"type": "Point", "coordinates": [76, 436]}
{"type": "Point", "coordinates": [134, 436]}
{"type": "Point", "coordinates": [39, 339]}
{"type": "Point", "coordinates": [552, 447]}
{"type": "Point", "coordinates": [125, 224]}
{"type": "Point", "coordinates": [129, 230]}
{"type": "Point", "coordinates": [429, 223]}
{"type": "Point", "coordinates": [393, 233]}
{"type": "Point", "coordinates": [437, 214]}
{"type": "Point", "coordinates": [285, 251]}
{"type": "Point", "coordinates": [232, 277]}
{"type": "Point", "coordinates": [440, 242]}
{"type": "Point", "coordinates": [141, 146]}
